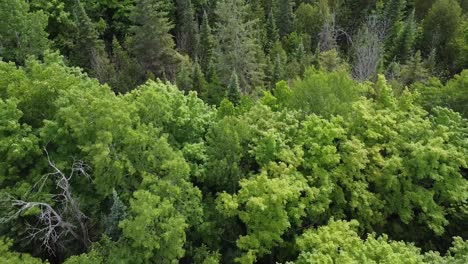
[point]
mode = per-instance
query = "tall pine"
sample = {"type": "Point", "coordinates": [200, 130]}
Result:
{"type": "Point", "coordinates": [186, 28]}
{"type": "Point", "coordinates": [237, 48]}
{"type": "Point", "coordinates": [205, 51]}
{"type": "Point", "coordinates": [151, 42]}
{"type": "Point", "coordinates": [233, 93]}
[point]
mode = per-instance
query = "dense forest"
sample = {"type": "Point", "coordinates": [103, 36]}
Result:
{"type": "Point", "coordinates": [234, 131]}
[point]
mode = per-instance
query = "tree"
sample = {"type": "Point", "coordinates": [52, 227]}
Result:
{"type": "Point", "coordinates": [22, 32]}
{"type": "Point", "coordinates": [198, 80]}
{"type": "Point", "coordinates": [151, 42]}
{"type": "Point", "coordinates": [186, 28]}
{"type": "Point", "coordinates": [440, 28]}
{"type": "Point", "coordinates": [207, 42]}
{"type": "Point", "coordinates": [233, 92]}
{"type": "Point", "coordinates": [285, 17]}
{"type": "Point", "coordinates": [368, 49]}
{"type": "Point", "coordinates": [271, 32]}
{"type": "Point", "coordinates": [405, 41]}
{"type": "Point", "coordinates": [237, 48]}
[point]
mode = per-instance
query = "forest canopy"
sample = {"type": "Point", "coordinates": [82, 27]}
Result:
{"type": "Point", "coordinates": [233, 131]}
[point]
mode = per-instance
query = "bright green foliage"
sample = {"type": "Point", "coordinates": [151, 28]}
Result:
{"type": "Point", "coordinates": [325, 93]}
{"type": "Point", "coordinates": [7, 256]}
{"type": "Point", "coordinates": [18, 146]}
{"type": "Point", "coordinates": [268, 205]}
{"type": "Point", "coordinates": [156, 229]}
{"type": "Point", "coordinates": [22, 32]}
{"type": "Point", "coordinates": [339, 242]}
{"type": "Point", "coordinates": [289, 157]}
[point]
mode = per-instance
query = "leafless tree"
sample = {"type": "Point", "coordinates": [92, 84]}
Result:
{"type": "Point", "coordinates": [59, 221]}
{"type": "Point", "coordinates": [368, 48]}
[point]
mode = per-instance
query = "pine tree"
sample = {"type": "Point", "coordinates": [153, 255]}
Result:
{"type": "Point", "coordinates": [392, 14]}
{"type": "Point", "coordinates": [151, 42]}
{"type": "Point", "coordinates": [237, 47]}
{"type": "Point", "coordinates": [128, 73]}
{"type": "Point", "coordinates": [198, 80]}
{"type": "Point", "coordinates": [88, 49]}
{"type": "Point", "coordinates": [184, 75]}
{"type": "Point", "coordinates": [117, 214]}
{"type": "Point", "coordinates": [205, 52]}
{"type": "Point", "coordinates": [406, 40]}
{"type": "Point", "coordinates": [271, 32]}
{"type": "Point", "coordinates": [278, 70]}
{"type": "Point", "coordinates": [285, 17]}
{"type": "Point", "coordinates": [233, 91]}
{"type": "Point", "coordinates": [186, 28]}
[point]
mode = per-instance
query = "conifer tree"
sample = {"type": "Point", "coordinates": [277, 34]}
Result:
{"type": "Point", "coordinates": [271, 31]}
{"type": "Point", "coordinates": [233, 91]}
{"type": "Point", "coordinates": [237, 48]}
{"type": "Point", "coordinates": [186, 28]}
{"type": "Point", "coordinates": [151, 42]}
{"type": "Point", "coordinates": [406, 39]}
{"type": "Point", "coordinates": [117, 214]}
{"type": "Point", "coordinates": [205, 51]}
{"type": "Point", "coordinates": [285, 17]}
{"type": "Point", "coordinates": [184, 75]}
{"type": "Point", "coordinates": [198, 80]}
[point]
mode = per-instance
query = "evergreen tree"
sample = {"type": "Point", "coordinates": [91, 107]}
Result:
{"type": "Point", "coordinates": [205, 52]}
{"type": "Point", "coordinates": [117, 214]}
{"type": "Point", "coordinates": [237, 48]}
{"type": "Point", "coordinates": [184, 75]}
{"type": "Point", "coordinates": [285, 17]}
{"type": "Point", "coordinates": [271, 32]}
{"type": "Point", "coordinates": [233, 92]}
{"type": "Point", "coordinates": [278, 73]}
{"type": "Point", "coordinates": [198, 80]}
{"type": "Point", "coordinates": [406, 39]}
{"type": "Point", "coordinates": [186, 28]}
{"type": "Point", "coordinates": [440, 28]}
{"type": "Point", "coordinates": [128, 73]}
{"type": "Point", "coordinates": [392, 14]}
{"type": "Point", "coordinates": [151, 42]}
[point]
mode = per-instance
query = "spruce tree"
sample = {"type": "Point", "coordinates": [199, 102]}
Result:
{"type": "Point", "coordinates": [205, 51]}
{"type": "Point", "coordinates": [405, 43]}
{"type": "Point", "coordinates": [233, 91]}
{"type": "Point", "coordinates": [186, 28]}
{"type": "Point", "coordinates": [271, 32]}
{"type": "Point", "coordinates": [151, 42]}
{"type": "Point", "coordinates": [184, 75]}
{"type": "Point", "coordinates": [117, 214]}
{"type": "Point", "coordinates": [237, 47]}
{"type": "Point", "coordinates": [198, 80]}
{"type": "Point", "coordinates": [285, 17]}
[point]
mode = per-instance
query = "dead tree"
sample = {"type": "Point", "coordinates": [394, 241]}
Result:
{"type": "Point", "coordinates": [59, 221]}
{"type": "Point", "coordinates": [368, 49]}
